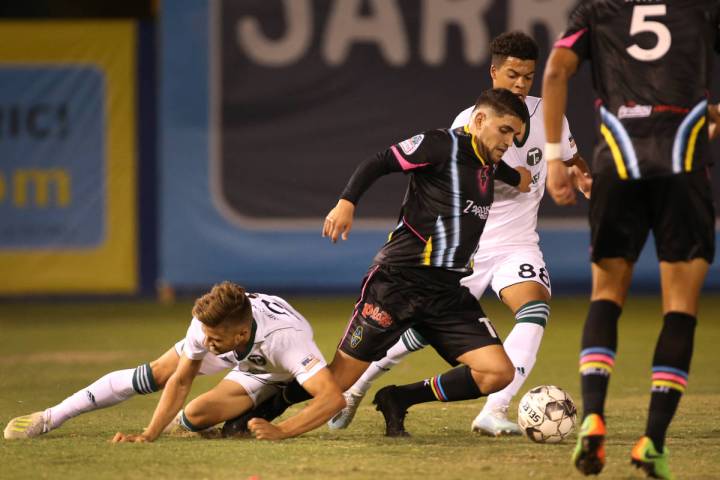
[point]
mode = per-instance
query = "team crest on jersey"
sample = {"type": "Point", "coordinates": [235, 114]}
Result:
{"type": "Point", "coordinates": [356, 337]}
{"type": "Point", "coordinates": [257, 360]}
{"type": "Point", "coordinates": [411, 144]}
{"type": "Point", "coordinates": [534, 156]}
{"type": "Point", "coordinates": [483, 177]}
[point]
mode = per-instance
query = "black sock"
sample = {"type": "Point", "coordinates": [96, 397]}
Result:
{"type": "Point", "coordinates": [597, 356]}
{"type": "Point", "coordinates": [671, 365]}
{"type": "Point", "coordinates": [452, 386]}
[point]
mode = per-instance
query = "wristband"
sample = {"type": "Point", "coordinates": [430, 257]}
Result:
{"type": "Point", "coordinates": [553, 151]}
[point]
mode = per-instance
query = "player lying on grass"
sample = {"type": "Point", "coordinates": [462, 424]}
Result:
{"type": "Point", "coordinates": [261, 338]}
{"type": "Point", "coordinates": [415, 278]}
{"type": "Point", "coordinates": [508, 258]}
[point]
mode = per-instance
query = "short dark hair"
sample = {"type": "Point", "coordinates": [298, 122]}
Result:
{"type": "Point", "coordinates": [513, 44]}
{"type": "Point", "coordinates": [503, 102]}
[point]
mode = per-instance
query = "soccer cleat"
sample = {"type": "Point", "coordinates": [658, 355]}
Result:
{"type": "Point", "coordinates": [345, 416]}
{"type": "Point", "coordinates": [646, 457]}
{"type": "Point", "coordinates": [27, 426]}
{"type": "Point", "coordinates": [589, 454]}
{"type": "Point", "coordinates": [495, 423]}
{"type": "Point", "coordinates": [393, 412]}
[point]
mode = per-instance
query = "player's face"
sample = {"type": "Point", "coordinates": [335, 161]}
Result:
{"type": "Point", "coordinates": [496, 132]}
{"type": "Point", "coordinates": [514, 74]}
{"type": "Point", "coordinates": [222, 338]}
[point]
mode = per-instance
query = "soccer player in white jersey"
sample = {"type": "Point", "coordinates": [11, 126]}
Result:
{"type": "Point", "coordinates": [261, 338]}
{"type": "Point", "coordinates": [508, 258]}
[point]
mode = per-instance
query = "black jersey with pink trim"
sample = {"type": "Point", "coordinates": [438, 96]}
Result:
{"type": "Point", "coordinates": [651, 66]}
{"type": "Point", "coordinates": [447, 201]}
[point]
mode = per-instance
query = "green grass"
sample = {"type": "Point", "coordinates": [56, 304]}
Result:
{"type": "Point", "coordinates": [50, 350]}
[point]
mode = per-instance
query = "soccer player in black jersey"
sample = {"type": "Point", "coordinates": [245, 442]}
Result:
{"type": "Point", "coordinates": [651, 65]}
{"type": "Point", "coordinates": [415, 277]}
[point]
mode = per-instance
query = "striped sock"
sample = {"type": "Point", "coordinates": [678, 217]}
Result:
{"type": "Point", "coordinates": [412, 340]}
{"type": "Point", "coordinates": [671, 364]}
{"type": "Point", "coordinates": [452, 386]}
{"type": "Point", "coordinates": [536, 312]}
{"type": "Point", "coordinates": [188, 425]}
{"type": "Point", "coordinates": [143, 381]}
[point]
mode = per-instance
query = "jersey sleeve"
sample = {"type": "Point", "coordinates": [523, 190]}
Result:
{"type": "Point", "coordinates": [463, 118]}
{"type": "Point", "coordinates": [507, 174]}
{"type": "Point", "coordinates": [296, 353]}
{"type": "Point", "coordinates": [569, 148]}
{"type": "Point", "coordinates": [577, 35]}
{"type": "Point", "coordinates": [194, 347]}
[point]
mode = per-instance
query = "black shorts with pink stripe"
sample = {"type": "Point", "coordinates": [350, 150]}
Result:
{"type": "Point", "coordinates": [429, 299]}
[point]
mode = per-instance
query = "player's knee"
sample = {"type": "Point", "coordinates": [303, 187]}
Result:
{"type": "Point", "coordinates": [496, 380]}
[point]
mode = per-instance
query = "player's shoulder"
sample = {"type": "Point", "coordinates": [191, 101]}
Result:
{"type": "Point", "coordinates": [463, 118]}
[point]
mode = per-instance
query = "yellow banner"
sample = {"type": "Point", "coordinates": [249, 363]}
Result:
{"type": "Point", "coordinates": [68, 221]}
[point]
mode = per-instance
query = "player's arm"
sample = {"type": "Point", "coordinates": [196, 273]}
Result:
{"type": "Point", "coordinates": [327, 401]}
{"type": "Point", "coordinates": [580, 174]}
{"type": "Point", "coordinates": [171, 401]}
{"type": "Point", "coordinates": [518, 177]}
{"type": "Point", "coordinates": [713, 120]}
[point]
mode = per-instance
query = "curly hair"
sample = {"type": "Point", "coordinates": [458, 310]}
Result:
{"type": "Point", "coordinates": [513, 44]}
{"type": "Point", "coordinates": [226, 302]}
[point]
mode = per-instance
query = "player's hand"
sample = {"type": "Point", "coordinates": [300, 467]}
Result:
{"type": "Point", "coordinates": [339, 221]}
{"type": "Point", "coordinates": [581, 180]}
{"type": "Point", "coordinates": [125, 438]}
{"type": "Point", "coordinates": [264, 430]}
{"type": "Point", "coordinates": [713, 120]}
{"type": "Point", "coordinates": [559, 184]}
{"type": "Point", "coordinates": [525, 179]}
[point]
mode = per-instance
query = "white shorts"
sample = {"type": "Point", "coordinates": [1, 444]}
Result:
{"type": "Point", "coordinates": [500, 270]}
{"type": "Point", "coordinates": [258, 386]}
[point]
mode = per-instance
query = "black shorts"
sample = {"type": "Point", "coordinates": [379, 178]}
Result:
{"type": "Point", "coordinates": [678, 209]}
{"type": "Point", "coordinates": [431, 300]}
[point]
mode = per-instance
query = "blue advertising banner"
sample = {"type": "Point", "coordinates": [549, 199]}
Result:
{"type": "Point", "coordinates": [52, 174]}
{"type": "Point", "coordinates": [268, 105]}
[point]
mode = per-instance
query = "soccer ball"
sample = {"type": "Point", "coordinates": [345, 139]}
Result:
{"type": "Point", "coordinates": [547, 414]}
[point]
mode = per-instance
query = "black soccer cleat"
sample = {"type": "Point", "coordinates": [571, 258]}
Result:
{"type": "Point", "coordinates": [269, 410]}
{"type": "Point", "coordinates": [393, 411]}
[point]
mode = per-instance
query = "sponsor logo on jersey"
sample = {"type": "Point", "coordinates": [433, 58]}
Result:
{"type": "Point", "coordinates": [411, 144]}
{"type": "Point", "coordinates": [480, 211]}
{"type": "Point", "coordinates": [383, 318]}
{"type": "Point", "coordinates": [356, 337]}
{"type": "Point", "coordinates": [309, 362]}
{"type": "Point", "coordinates": [257, 360]}
{"type": "Point", "coordinates": [534, 156]}
{"type": "Point", "coordinates": [635, 111]}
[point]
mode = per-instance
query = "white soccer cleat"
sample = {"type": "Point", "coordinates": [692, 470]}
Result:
{"type": "Point", "coordinates": [27, 426]}
{"type": "Point", "coordinates": [174, 427]}
{"type": "Point", "coordinates": [345, 416]}
{"type": "Point", "coordinates": [495, 423]}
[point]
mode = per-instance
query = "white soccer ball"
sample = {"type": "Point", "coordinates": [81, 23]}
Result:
{"type": "Point", "coordinates": [547, 414]}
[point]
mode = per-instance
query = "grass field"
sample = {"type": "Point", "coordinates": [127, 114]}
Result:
{"type": "Point", "coordinates": [50, 350]}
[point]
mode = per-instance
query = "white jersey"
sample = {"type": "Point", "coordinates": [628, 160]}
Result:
{"type": "Point", "coordinates": [282, 343]}
{"type": "Point", "coordinates": [512, 221]}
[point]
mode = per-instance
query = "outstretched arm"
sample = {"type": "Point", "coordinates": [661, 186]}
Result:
{"type": "Point", "coordinates": [561, 65]}
{"type": "Point", "coordinates": [172, 399]}
{"type": "Point", "coordinates": [327, 401]}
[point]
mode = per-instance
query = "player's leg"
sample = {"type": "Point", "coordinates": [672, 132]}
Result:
{"type": "Point", "coordinates": [410, 341]}
{"type": "Point", "coordinates": [684, 236]}
{"type": "Point", "coordinates": [529, 300]}
{"type": "Point", "coordinates": [619, 228]}
{"type": "Point", "coordinates": [460, 334]}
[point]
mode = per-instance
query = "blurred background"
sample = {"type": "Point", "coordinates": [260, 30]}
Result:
{"type": "Point", "coordinates": [157, 147]}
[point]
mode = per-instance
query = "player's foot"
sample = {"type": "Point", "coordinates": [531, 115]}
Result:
{"type": "Point", "coordinates": [345, 416]}
{"type": "Point", "coordinates": [589, 454]}
{"type": "Point", "coordinates": [494, 422]}
{"type": "Point", "coordinates": [27, 426]}
{"type": "Point", "coordinates": [646, 457]}
{"type": "Point", "coordinates": [392, 410]}
{"type": "Point", "coordinates": [176, 429]}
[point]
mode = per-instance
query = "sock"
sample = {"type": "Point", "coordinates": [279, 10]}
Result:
{"type": "Point", "coordinates": [597, 356]}
{"type": "Point", "coordinates": [188, 425]}
{"type": "Point", "coordinates": [410, 341]}
{"type": "Point", "coordinates": [109, 390]}
{"type": "Point", "coordinates": [671, 365]}
{"type": "Point", "coordinates": [521, 346]}
{"type": "Point", "coordinates": [452, 386]}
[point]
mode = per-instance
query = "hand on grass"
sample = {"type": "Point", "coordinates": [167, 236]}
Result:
{"type": "Point", "coordinates": [125, 438]}
{"type": "Point", "coordinates": [264, 430]}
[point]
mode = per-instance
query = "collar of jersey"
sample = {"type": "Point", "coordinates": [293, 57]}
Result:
{"type": "Point", "coordinates": [250, 343]}
{"type": "Point", "coordinates": [525, 137]}
{"type": "Point", "coordinates": [473, 141]}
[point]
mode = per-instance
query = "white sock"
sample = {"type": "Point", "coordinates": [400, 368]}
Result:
{"type": "Point", "coordinates": [410, 341]}
{"type": "Point", "coordinates": [521, 346]}
{"type": "Point", "coordinates": [109, 390]}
